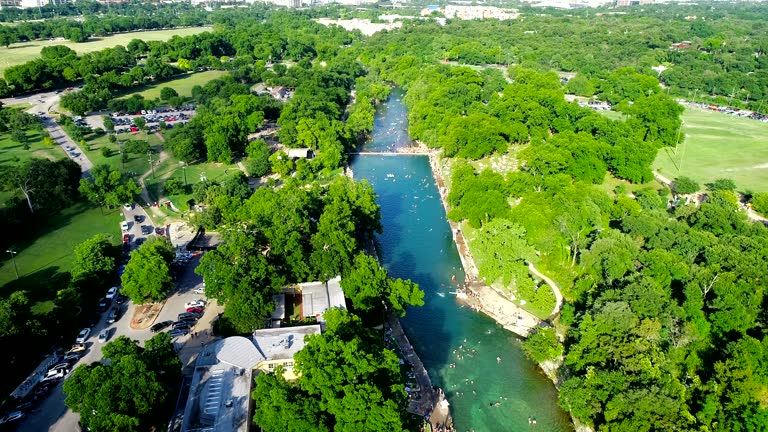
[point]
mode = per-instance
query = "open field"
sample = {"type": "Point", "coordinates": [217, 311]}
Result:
{"type": "Point", "coordinates": [12, 152]}
{"type": "Point", "coordinates": [25, 51]}
{"type": "Point", "coordinates": [50, 251]}
{"type": "Point", "coordinates": [182, 85]}
{"type": "Point", "coordinates": [716, 146]}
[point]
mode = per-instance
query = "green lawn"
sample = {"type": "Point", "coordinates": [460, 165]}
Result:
{"type": "Point", "coordinates": [171, 168]}
{"type": "Point", "coordinates": [13, 152]}
{"type": "Point", "coordinates": [716, 146]}
{"type": "Point", "coordinates": [23, 52]}
{"type": "Point", "coordinates": [136, 163]}
{"type": "Point", "coordinates": [50, 251]}
{"type": "Point", "coordinates": [182, 85]}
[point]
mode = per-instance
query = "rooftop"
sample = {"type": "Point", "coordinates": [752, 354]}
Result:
{"type": "Point", "coordinates": [318, 297]}
{"type": "Point", "coordinates": [219, 396]}
{"type": "Point", "coordinates": [282, 343]}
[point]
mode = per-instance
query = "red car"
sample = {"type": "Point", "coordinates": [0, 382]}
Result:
{"type": "Point", "coordinates": [197, 310]}
{"type": "Point", "coordinates": [126, 238]}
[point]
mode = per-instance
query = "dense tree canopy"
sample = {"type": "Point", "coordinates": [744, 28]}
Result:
{"type": "Point", "coordinates": [348, 381]}
{"type": "Point", "coordinates": [147, 275]}
{"type": "Point", "coordinates": [130, 392]}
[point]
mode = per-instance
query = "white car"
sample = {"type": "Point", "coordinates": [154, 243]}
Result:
{"type": "Point", "coordinates": [124, 226]}
{"type": "Point", "coordinates": [12, 417]}
{"type": "Point", "coordinates": [112, 293]}
{"type": "Point", "coordinates": [104, 335]}
{"type": "Point", "coordinates": [128, 206]}
{"type": "Point", "coordinates": [194, 303]}
{"type": "Point", "coordinates": [83, 336]}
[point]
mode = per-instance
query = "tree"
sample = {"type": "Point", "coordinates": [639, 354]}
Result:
{"type": "Point", "coordinates": [685, 185]}
{"type": "Point", "coordinates": [174, 186]}
{"type": "Point", "coordinates": [348, 381]}
{"type": "Point", "coordinates": [106, 187]}
{"type": "Point", "coordinates": [760, 203]}
{"type": "Point", "coordinates": [369, 287]}
{"type": "Point", "coordinates": [45, 184]}
{"type": "Point", "coordinates": [502, 252]}
{"type": "Point", "coordinates": [542, 345]}
{"type": "Point", "coordinates": [130, 392]}
{"type": "Point", "coordinates": [281, 163]}
{"type": "Point", "coordinates": [722, 184]}
{"type": "Point", "coordinates": [147, 276]}
{"type": "Point", "coordinates": [258, 162]}
{"type": "Point", "coordinates": [139, 122]}
{"type": "Point", "coordinates": [109, 124]}
{"type": "Point", "coordinates": [167, 93]}
{"type": "Point", "coordinates": [93, 258]}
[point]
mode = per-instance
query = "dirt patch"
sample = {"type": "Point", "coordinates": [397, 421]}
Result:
{"type": "Point", "coordinates": [145, 315]}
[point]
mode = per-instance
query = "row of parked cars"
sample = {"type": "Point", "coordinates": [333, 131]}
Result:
{"type": "Point", "coordinates": [185, 321]}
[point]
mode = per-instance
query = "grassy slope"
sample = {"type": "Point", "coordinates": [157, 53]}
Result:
{"type": "Point", "coordinates": [51, 251]}
{"type": "Point", "coordinates": [183, 85]}
{"type": "Point", "coordinates": [25, 51]}
{"type": "Point", "coordinates": [716, 146]}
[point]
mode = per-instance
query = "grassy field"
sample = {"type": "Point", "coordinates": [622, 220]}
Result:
{"type": "Point", "coordinates": [50, 251]}
{"type": "Point", "coordinates": [171, 168]}
{"type": "Point", "coordinates": [183, 85]}
{"type": "Point", "coordinates": [13, 152]}
{"type": "Point", "coordinates": [136, 163]}
{"type": "Point", "coordinates": [716, 146]}
{"type": "Point", "coordinates": [23, 52]}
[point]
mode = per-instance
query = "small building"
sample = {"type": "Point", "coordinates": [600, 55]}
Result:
{"type": "Point", "coordinates": [280, 93]}
{"type": "Point", "coordinates": [299, 153]}
{"type": "Point", "coordinates": [278, 346]}
{"type": "Point", "coordinates": [318, 297]}
{"type": "Point", "coordinates": [681, 45]}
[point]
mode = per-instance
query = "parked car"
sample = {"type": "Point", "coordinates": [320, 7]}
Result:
{"type": "Point", "coordinates": [178, 332]}
{"type": "Point", "coordinates": [146, 229]}
{"type": "Point", "coordinates": [139, 241]}
{"type": "Point", "coordinates": [72, 358]}
{"type": "Point", "coordinates": [159, 326]}
{"type": "Point", "coordinates": [120, 299]}
{"type": "Point", "coordinates": [196, 310]}
{"type": "Point", "coordinates": [126, 238]}
{"type": "Point", "coordinates": [56, 373]}
{"type": "Point", "coordinates": [124, 226]}
{"type": "Point", "coordinates": [12, 416]}
{"type": "Point", "coordinates": [138, 218]}
{"type": "Point", "coordinates": [128, 206]}
{"type": "Point", "coordinates": [114, 315]}
{"type": "Point", "coordinates": [78, 347]}
{"type": "Point", "coordinates": [56, 367]}
{"type": "Point", "coordinates": [83, 335]}
{"type": "Point", "coordinates": [121, 270]}
{"type": "Point", "coordinates": [111, 293]}
{"type": "Point", "coordinates": [195, 303]}
{"type": "Point", "coordinates": [103, 305]}
{"type": "Point", "coordinates": [104, 335]}
{"type": "Point", "coordinates": [181, 324]}
{"type": "Point", "coordinates": [199, 290]}
{"type": "Point", "coordinates": [160, 231]}
{"type": "Point", "coordinates": [188, 315]}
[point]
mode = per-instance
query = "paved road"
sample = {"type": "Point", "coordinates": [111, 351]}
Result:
{"type": "Point", "coordinates": [52, 415]}
{"type": "Point", "coordinates": [60, 138]}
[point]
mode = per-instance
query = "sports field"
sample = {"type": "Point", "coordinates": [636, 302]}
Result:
{"type": "Point", "coordinates": [183, 85]}
{"type": "Point", "coordinates": [716, 146]}
{"type": "Point", "coordinates": [25, 51]}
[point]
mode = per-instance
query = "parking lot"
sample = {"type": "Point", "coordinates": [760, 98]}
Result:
{"type": "Point", "coordinates": [126, 122]}
{"type": "Point", "coordinates": [49, 413]}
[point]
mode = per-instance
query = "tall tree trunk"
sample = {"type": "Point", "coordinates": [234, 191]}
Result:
{"type": "Point", "coordinates": [29, 200]}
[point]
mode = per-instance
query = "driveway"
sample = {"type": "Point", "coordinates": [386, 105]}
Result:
{"type": "Point", "coordinates": [52, 414]}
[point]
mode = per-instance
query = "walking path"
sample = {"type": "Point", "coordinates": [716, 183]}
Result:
{"type": "Point", "coordinates": [426, 399]}
{"type": "Point", "coordinates": [145, 193]}
{"type": "Point", "coordinates": [553, 285]}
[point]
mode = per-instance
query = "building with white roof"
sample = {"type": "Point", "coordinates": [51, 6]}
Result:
{"type": "Point", "coordinates": [318, 297]}
{"type": "Point", "coordinates": [220, 390]}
